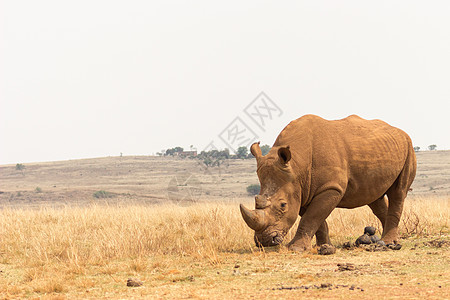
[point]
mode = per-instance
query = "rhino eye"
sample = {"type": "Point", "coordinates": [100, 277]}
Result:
{"type": "Point", "coordinates": [283, 205]}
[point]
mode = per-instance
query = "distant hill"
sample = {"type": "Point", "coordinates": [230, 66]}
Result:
{"type": "Point", "coordinates": [149, 179]}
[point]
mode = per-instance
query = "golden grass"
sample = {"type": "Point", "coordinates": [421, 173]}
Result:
{"type": "Point", "coordinates": [58, 251]}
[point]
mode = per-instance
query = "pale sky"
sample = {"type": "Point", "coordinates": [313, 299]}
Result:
{"type": "Point", "coordinates": [86, 79]}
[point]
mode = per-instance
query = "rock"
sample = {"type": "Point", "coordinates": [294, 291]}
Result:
{"type": "Point", "coordinates": [381, 243]}
{"type": "Point", "coordinates": [347, 245]}
{"type": "Point", "coordinates": [133, 282]}
{"type": "Point", "coordinates": [327, 249]}
{"type": "Point", "coordinates": [378, 247]}
{"type": "Point", "coordinates": [394, 246]}
{"type": "Point", "coordinates": [370, 230]}
{"type": "Point", "coordinates": [374, 238]}
{"type": "Point", "coordinates": [346, 267]}
{"type": "Point", "coordinates": [363, 240]}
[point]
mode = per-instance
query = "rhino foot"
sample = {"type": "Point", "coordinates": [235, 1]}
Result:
{"type": "Point", "coordinates": [299, 246]}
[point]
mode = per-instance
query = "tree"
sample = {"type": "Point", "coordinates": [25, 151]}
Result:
{"type": "Point", "coordinates": [416, 148]}
{"type": "Point", "coordinates": [214, 158]}
{"type": "Point", "coordinates": [20, 167]}
{"type": "Point", "coordinates": [242, 152]}
{"type": "Point", "coordinates": [265, 149]}
{"type": "Point", "coordinates": [172, 151]}
{"type": "Point", "coordinates": [432, 147]}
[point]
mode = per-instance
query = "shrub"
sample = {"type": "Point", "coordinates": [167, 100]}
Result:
{"type": "Point", "coordinates": [102, 194]}
{"type": "Point", "coordinates": [253, 189]}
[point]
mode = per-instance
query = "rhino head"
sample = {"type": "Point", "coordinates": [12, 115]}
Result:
{"type": "Point", "coordinates": [277, 205]}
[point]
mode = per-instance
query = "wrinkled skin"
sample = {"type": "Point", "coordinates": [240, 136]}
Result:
{"type": "Point", "coordinates": [317, 165]}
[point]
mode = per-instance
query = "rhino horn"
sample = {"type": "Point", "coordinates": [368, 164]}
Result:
{"type": "Point", "coordinates": [253, 218]}
{"type": "Point", "coordinates": [261, 202]}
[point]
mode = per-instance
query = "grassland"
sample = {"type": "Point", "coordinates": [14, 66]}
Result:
{"type": "Point", "coordinates": [61, 242]}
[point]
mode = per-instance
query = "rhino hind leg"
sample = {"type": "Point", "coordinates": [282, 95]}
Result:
{"type": "Point", "coordinates": [396, 199]}
{"type": "Point", "coordinates": [380, 209]}
{"type": "Point", "coordinates": [396, 195]}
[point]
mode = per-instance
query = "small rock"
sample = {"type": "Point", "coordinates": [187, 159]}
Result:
{"type": "Point", "coordinates": [347, 245]}
{"type": "Point", "coordinates": [236, 272]}
{"type": "Point", "coordinates": [133, 282]}
{"type": "Point", "coordinates": [346, 267]}
{"type": "Point", "coordinates": [363, 240]}
{"type": "Point", "coordinates": [327, 249]}
{"type": "Point", "coordinates": [374, 238]}
{"type": "Point", "coordinates": [325, 285]}
{"type": "Point", "coordinates": [378, 247]}
{"type": "Point", "coordinates": [370, 230]}
{"type": "Point", "coordinates": [236, 266]}
{"type": "Point", "coordinates": [394, 246]}
{"type": "Point", "coordinates": [381, 243]}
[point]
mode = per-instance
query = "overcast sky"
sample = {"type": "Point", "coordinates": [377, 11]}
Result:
{"type": "Point", "coordinates": [96, 78]}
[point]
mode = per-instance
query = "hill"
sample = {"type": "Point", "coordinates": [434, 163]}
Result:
{"type": "Point", "coordinates": [149, 179]}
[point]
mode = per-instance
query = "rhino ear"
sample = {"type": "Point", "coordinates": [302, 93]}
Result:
{"type": "Point", "coordinates": [255, 150]}
{"type": "Point", "coordinates": [284, 153]}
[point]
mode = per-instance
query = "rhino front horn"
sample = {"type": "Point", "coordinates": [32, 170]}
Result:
{"type": "Point", "coordinates": [253, 218]}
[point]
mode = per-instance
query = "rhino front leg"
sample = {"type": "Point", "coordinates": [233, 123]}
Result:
{"type": "Point", "coordinates": [313, 220]}
{"type": "Point", "coordinates": [322, 235]}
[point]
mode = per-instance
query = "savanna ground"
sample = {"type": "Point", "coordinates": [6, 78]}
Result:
{"type": "Point", "coordinates": [177, 228]}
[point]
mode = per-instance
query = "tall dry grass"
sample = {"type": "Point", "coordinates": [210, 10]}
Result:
{"type": "Point", "coordinates": [97, 234]}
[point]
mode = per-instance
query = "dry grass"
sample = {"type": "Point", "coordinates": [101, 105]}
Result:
{"type": "Point", "coordinates": [90, 251]}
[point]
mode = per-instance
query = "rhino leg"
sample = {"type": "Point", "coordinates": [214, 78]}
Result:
{"type": "Point", "coordinates": [380, 209]}
{"type": "Point", "coordinates": [322, 236]}
{"type": "Point", "coordinates": [313, 219]}
{"type": "Point", "coordinates": [396, 195]}
{"type": "Point", "coordinates": [396, 199]}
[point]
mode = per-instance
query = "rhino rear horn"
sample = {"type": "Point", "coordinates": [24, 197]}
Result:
{"type": "Point", "coordinates": [253, 218]}
{"type": "Point", "coordinates": [261, 202]}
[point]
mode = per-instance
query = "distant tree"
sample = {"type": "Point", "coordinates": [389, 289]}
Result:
{"type": "Point", "coordinates": [178, 149]}
{"type": "Point", "coordinates": [242, 152]}
{"type": "Point", "coordinates": [172, 151]}
{"type": "Point", "coordinates": [416, 148]}
{"type": "Point", "coordinates": [432, 147]}
{"type": "Point", "coordinates": [214, 158]}
{"type": "Point", "coordinates": [265, 149]}
{"type": "Point", "coordinates": [20, 167]}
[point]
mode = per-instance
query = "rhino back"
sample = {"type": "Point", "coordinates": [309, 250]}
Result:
{"type": "Point", "coordinates": [361, 157]}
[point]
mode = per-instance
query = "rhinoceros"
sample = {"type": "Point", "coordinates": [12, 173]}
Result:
{"type": "Point", "coordinates": [316, 165]}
